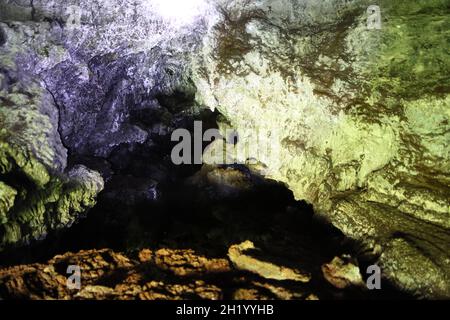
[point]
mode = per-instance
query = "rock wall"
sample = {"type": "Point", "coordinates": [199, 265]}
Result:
{"type": "Point", "coordinates": [361, 116]}
{"type": "Point", "coordinates": [79, 80]}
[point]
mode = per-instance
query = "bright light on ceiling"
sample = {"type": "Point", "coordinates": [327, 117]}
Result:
{"type": "Point", "coordinates": [180, 12]}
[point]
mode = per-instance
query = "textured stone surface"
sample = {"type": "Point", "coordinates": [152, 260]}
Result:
{"type": "Point", "coordinates": [36, 195]}
{"type": "Point", "coordinates": [209, 239]}
{"type": "Point", "coordinates": [361, 116]}
{"type": "Point", "coordinates": [242, 259]}
{"type": "Point", "coordinates": [162, 275]}
{"type": "Point", "coordinates": [78, 95]}
{"type": "Point", "coordinates": [342, 273]}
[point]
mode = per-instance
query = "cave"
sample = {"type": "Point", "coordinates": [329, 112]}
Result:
{"type": "Point", "coordinates": [326, 176]}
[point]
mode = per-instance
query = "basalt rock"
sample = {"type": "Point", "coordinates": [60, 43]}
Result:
{"type": "Point", "coordinates": [83, 85]}
{"type": "Point", "coordinates": [37, 195]}
{"type": "Point", "coordinates": [242, 259]}
{"type": "Point", "coordinates": [155, 275]}
{"type": "Point", "coordinates": [341, 272]}
{"type": "Point", "coordinates": [360, 117]}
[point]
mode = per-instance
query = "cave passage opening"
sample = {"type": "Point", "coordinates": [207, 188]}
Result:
{"type": "Point", "coordinates": [149, 202]}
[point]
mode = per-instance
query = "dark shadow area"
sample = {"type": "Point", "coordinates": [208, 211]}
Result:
{"type": "Point", "coordinates": [148, 202]}
{"type": "Point", "coordinates": [3, 38]}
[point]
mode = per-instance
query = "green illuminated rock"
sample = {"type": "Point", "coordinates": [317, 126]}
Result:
{"type": "Point", "coordinates": [36, 195]}
{"type": "Point", "coordinates": [362, 118]}
{"type": "Point", "coordinates": [7, 196]}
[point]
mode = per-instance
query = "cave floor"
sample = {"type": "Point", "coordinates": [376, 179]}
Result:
{"type": "Point", "coordinates": [244, 249]}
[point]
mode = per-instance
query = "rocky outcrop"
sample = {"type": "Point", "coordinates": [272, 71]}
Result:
{"type": "Point", "coordinates": [39, 193]}
{"type": "Point", "coordinates": [358, 119]}
{"type": "Point", "coordinates": [36, 195]}
{"type": "Point", "coordinates": [238, 254]}
{"type": "Point", "coordinates": [250, 240]}
{"type": "Point", "coordinates": [80, 91]}
{"type": "Point", "coordinates": [164, 274]}
{"type": "Point", "coordinates": [341, 272]}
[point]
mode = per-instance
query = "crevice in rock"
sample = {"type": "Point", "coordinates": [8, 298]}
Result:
{"type": "Point", "coordinates": [3, 37]}
{"type": "Point", "coordinates": [33, 10]}
{"type": "Point", "coordinates": [58, 107]}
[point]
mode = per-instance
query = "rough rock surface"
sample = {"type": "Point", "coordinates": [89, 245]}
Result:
{"type": "Point", "coordinates": [164, 274]}
{"type": "Point", "coordinates": [156, 275]}
{"type": "Point", "coordinates": [36, 196]}
{"type": "Point", "coordinates": [243, 260]}
{"type": "Point", "coordinates": [272, 248]}
{"type": "Point", "coordinates": [109, 275]}
{"type": "Point", "coordinates": [359, 119]}
{"type": "Point", "coordinates": [342, 273]}
{"type": "Point", "coordinates": [81, 90]}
